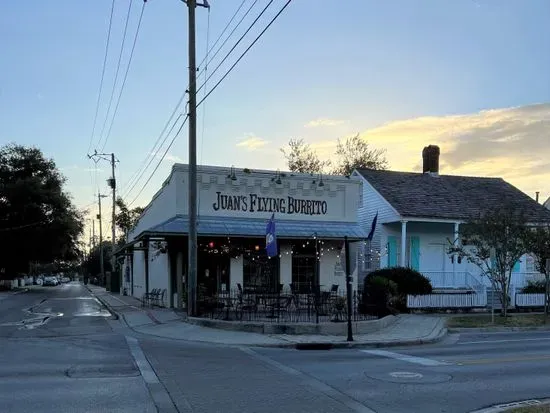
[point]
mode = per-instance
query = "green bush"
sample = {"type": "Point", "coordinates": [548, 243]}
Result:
{"type": "Point", "coordinates": [534, 287]}
{"type": "Point", "coordinates": [387, 289]}
{"type": "Point", "coordinates": [378, 292]}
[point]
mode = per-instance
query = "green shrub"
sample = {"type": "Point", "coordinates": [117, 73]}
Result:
{"type": "Point", "coordinates": [534, 287]}
{"type": "Point", "coordinates": [388, 288]}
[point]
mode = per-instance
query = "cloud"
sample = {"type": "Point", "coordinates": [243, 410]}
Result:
{"type": "Point", "coordinates": [173, 158]}
{"type": "Point", "coordinates": [323, 122]}
{"type": "Point", "coordinates": [167, 158]}
{"type": "Point", "coordinates": [251, 142]}
{"type": "Point", "coordinates": [512, 143]}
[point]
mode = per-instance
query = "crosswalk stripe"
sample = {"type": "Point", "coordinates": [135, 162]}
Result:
{"type": "Point", "coordinates": [404, 357]}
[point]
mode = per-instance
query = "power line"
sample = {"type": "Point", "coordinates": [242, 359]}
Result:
{"type": "Point", "coordinates": [150, 156]}
{"type": "Point", "coordinates": [245, 52]}
{"type": "Point", "coordinates": [208, 94]}
{"type": "Point", "coordinates": [116, 73]}
{"type": "Point", "coordinates": [206, 71]}
{"type": "Point", "coordinates": [153, 149]}
{"type": "Point", "coordinates": [153, 155]}
{"type": "Point", "coordinates": [102, 75]}
{"type": "Point", "coordinates": [125, 75]}
{"type": "Point", "coordinates": [208, 50]}
{"type": "Point", "coordinates": [159, 162]}
{"type": "Point", "coordinates": [239, 41]}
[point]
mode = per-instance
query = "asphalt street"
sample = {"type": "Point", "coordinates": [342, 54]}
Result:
{"type": "Point", "coordinates": [72, 357]}
{"type": "Point", "coordinates": [59, 354]}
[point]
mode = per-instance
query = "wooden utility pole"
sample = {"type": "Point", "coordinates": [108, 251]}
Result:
{"type": "Point", "coordinates": [192, 188]}
{"type": "Point", "coordinates": [110, 157]}
{"type": "Point", "coordinates": [112, 184]}
{"type": "Point", "coordinates": [101, 263]}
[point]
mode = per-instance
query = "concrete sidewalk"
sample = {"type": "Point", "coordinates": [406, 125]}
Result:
{"type": "Point", "coordinates": [166, 323]}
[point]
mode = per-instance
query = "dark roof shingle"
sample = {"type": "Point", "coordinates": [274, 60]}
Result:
{"type": "Point", "coordinates": [450, 197]}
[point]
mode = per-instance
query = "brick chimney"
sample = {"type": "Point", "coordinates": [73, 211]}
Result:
{"type": "Point", "coordinates": [430, 158]}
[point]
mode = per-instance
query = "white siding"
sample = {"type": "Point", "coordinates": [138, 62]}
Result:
{"type": "Point", "coordinates": [161, 208]}
{"type": "Point", "coordinates": [372, 203]}
{"type": "Point", "coordinates": [139, 273]}
{"type": "Point", "coordinates": [159, 274]}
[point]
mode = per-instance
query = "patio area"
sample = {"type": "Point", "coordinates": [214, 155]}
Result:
{"type": "Point", "coordinates": [296, 304]}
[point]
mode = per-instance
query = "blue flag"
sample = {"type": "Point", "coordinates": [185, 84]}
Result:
{"type": "Point", "coordinates": [372, 227]}
{"type": "Point", "coordinates": [271, 238]}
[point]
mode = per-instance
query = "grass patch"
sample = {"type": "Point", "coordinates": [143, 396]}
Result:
{"type": "Point", "coordinates": [545, 408]}
{"type": "Point", "coordinates": [484, 320]}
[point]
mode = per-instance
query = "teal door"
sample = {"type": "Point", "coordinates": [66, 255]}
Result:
{"type": "Point", "coordinates": [516, 266]}
{"type": "Point", "coordinates": [415, 253]}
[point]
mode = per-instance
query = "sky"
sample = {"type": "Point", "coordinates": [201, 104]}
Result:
{"type": "Point", "coordinates": [472, 76]}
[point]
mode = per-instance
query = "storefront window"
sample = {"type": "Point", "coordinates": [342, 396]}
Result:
{"type": "Point", "coordinates": [303, 273]}
{"type": "Point", "coordinates": [260, 273]}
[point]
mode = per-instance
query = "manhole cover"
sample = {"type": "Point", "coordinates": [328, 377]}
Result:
{"type": "Point", "coordinates": [405, 375]}
{"type": "Point", "coordinates": [410, 377]}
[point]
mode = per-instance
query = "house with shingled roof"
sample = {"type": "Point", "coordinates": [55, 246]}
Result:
{"type": "Point", "coordinates": [418, 214]}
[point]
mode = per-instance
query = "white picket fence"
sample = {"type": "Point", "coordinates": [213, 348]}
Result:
{"type": "Point", "coordinates": [447, 301]}
{"type": "Point", "coordinates": [529, 300]}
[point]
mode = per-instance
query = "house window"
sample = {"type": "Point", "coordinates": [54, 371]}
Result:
{"type": "Point", "coordinates": [529, 263]}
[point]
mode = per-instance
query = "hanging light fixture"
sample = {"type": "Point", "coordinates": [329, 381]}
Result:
{"type": "Point", "coordinates": [232, 175]}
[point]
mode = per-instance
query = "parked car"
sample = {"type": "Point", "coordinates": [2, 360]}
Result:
{"type": "Point", "coordinates": [65, 279]}
{"type": "Point", "coordinates": [49, 280]}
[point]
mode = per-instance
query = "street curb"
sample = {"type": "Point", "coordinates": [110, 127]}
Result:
{"type": "Point", "coordinates": [355, 344]}
{"type": "Point", "coordinates": [505, 407]}
{"type": "Point", "coordinates": [496, 329]}
{"type": "Point", "coordinates": [315, 345]}
{"type": "Point", "coordinates": [114, 314]}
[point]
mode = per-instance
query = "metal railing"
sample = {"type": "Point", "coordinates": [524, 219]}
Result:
{"type": "Point", "coordinates": [450, 279]}
{"type": "Point", "coordinates": [282, 306]}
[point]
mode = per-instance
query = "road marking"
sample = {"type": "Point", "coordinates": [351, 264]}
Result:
{"type": "Point", "coordinates": [145, 368]}
{"type": "Point", "coordinates": [501, 360]}
{"type": "Point", "coordinates": [316, 384]}
{"type": "Point", "coordinates": [504, 341]}
{"type": "Point", "coordinates": [404, 357]}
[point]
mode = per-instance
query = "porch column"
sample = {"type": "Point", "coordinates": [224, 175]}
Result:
{"type": "Point", "coordinates": [455, 256]}
{"type": "Point", "coordinates": [403, 243]}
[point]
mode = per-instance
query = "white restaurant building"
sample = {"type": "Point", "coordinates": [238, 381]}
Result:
{"type": "Point", "coordinates": [313, 214]}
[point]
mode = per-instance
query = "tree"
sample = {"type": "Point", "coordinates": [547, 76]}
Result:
{"type": "Point", "coordinates": [126, 219]}
{"type": "Point", "coordinates": [352, 153]}
{"type": "Point", "coordinates": [301, 158]}
{"type": "Point", "coordinates": [91, 264]}
{"type": "Point", "coordinates": [538, 243]}
{"type": "Point", "coordinates": [355, 153]}
{"type": "Point", "coordinates": [38, 221]}
{"type": "Point", "coordinates": [494, 243]}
